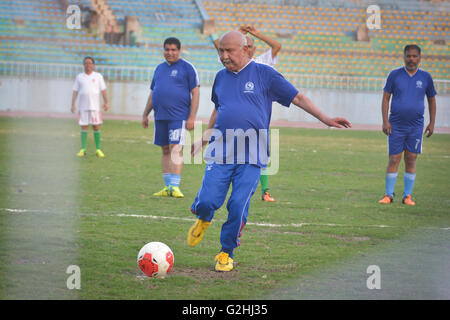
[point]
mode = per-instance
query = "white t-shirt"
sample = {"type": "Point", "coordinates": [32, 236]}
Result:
{"type": "Point", "coordinates": [266, 58]}
{"type": "Point", "coordinates": [89, 87]}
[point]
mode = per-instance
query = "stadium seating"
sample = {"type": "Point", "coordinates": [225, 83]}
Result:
{"type": "Point", "coordinates": [317, 40]}
{"type": "Point", "coordinates": [36, 31]}
{"type": "Point", "coordinates": [320, 39]}
{"type": "Point", "coordinates": [159, 12]}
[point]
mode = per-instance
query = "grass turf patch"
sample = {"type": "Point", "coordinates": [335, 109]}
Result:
{"type": "Point", "coordinates": [59, 210]}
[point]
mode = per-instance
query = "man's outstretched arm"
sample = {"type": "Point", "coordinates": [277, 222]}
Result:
{"type": "Point", "coordinates": [306, 104]}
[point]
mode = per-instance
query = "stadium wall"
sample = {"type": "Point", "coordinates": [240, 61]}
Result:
{"type": "Point", "coordinates": [129, 98]}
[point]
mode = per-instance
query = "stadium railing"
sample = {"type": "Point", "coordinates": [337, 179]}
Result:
{"type": "Point", "coordinates": [138, 74]}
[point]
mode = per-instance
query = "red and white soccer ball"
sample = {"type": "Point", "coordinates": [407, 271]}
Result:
{"type": "Point", "coordinates": [155, 259]}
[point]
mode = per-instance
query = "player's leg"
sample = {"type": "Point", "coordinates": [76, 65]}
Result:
{"type": "Point", "coordinates": [83, 122]}
{"type": "Point", "coordinates": [176, 140]}
{"type": "Point", "coordinates": [244, 222]}
{"type": "Point", "coordinates": [210, 197]}
{"type": "Point", "coordinates": [161, 138]}
{"type": "Point", "coordinates": [95, 119]}
{"type": "Point", "coordinates": [412, 149]}
{"type": "Point", "coordinates": [396, 142]}
{"type": "Point", "coordinates": [391, 177]}
{"type": "Point", "coordinates": [176, 167]}
{"type": "Point", "coordinates": [97, 140]}
{"type": "Point", "coordinates": [244, 183]}
{"type": "Point", "coordinates": [410, 177]}
{"type": "Point", "coordinates": [264, 180]}
{"type": "Point", "coordinates": [165, 166]}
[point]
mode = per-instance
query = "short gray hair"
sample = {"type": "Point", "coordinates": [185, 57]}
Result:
{"type": "Point", "coordinates": [243, 37]}
{"type": "Point", "coordinates": [244, 40]}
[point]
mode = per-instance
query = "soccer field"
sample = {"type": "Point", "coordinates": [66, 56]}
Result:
{"type": "Point", "coordinates": [58, 210]}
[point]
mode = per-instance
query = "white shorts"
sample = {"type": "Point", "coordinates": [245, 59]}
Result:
{"type": "Point", "coordinates": [88, 117]}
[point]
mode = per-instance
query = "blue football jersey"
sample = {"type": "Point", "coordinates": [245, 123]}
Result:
{"type": "Point", "coordinates": [244, 107]}
{"type": "Point", "coordinates": [171, 90]}
{"type": "Point", "coordinates": [408, 96]}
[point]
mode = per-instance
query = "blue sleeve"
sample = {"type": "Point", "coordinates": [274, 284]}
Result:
{"type": "Point", "coordinates": [193, 80]}
{"type": "Point", "coordinates": [281, 90]}
{"type": "Point", "coordinates": [431, 92]}
{"type": "Point", "coordinates": [388, 86]}
{"type": "Point", "coordinates": [152, 85]}
{"type": "Point", "coordinates": [214, 97]}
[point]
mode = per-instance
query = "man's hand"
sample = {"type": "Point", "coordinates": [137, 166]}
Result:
{"type": "Point", "coordinates": [73, 108]}
{"type": "Point", "coordinates": [144, 122]}
{"type": "Point", "coordinates": [190, 123]}
{"type": "Point", "coordinates": [387, 129]}
{"type": "Point", "coordinates": [105, 106]}
{"type": "Point", "coordinates": [243, 29]}
{"type": "Point", "coordinates": [430, 130]}
{"type": "Point", "coordinates": [252, 30]}
{"type": "Point", "coordinates": [339, 123]}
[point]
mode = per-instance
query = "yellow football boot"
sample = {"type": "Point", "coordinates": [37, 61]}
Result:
{"type": "Point", "coordinates": [223, 262]}
{"type": "Point", "coordinates": [163, 193]}
{"type": "Point", "coordinates": [82, 153]}
{"type": "Point", "coordinates": [197, 231]}
{"type": "Point", "coordinates": [99, 153]}
{"type": "Point", "coordinates": [176, 192]}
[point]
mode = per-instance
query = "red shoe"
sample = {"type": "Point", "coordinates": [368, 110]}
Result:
{"type": "Point", "coordinates": [267, 197]}
{"type": "Point", "coordinates": [407, 200]}
{"type": "Point", "coordinates": [386, 199]}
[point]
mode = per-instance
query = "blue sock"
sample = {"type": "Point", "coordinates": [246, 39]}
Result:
{"type": "Point", "coordinates": [390, 183]}
{"type": "Point", "coordinates": [166, 177]}
{"type": "Point", "coordinates": [175, 180]}
{"type": "Point", "coordinates": [409, 179]}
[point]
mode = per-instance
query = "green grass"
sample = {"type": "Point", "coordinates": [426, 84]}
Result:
{"type": "Point", "coordinates": [76, 211]}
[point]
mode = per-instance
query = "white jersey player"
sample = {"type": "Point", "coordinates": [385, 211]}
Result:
{"type": "Point", "coordinates": [88, 86]}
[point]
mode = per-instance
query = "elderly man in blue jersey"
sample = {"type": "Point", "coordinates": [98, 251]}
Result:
{"type": "Point", "coordinates": [242, 93]}
{"type": "Point", "coordinates": [174, 96]}
{"type": "Point", "coordinates": [408, 87]}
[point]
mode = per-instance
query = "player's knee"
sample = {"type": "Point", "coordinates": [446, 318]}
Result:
{"type": "Point", "coordinates": [165, 150]}
{"type": "Point", "coordinates": [235, 209]}
{"type": "Point", "coordinates": [176, 150]}
{"type": "Point", "coordinates": [394, 160]}
{"type": "Point", "coordinates": [410, 160]}
{"type": "Point", "coordinates": [205, 206]}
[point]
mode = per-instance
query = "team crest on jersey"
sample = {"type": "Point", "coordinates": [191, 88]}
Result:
{"type": "Point", "coordinates": [249, 87]}
{"type": "Point", "coordinates": [174, 73]}
{"type": "Point", "coordinates": [418, 84]}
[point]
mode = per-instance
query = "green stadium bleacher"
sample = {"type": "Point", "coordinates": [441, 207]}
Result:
{"type": "Point", "coordinates": [316, 40]}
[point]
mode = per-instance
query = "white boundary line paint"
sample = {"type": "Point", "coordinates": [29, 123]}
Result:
{"type": "Point", "coordinates": [257, 224]}
{"type": "Point", "coordinates": [263, 224]}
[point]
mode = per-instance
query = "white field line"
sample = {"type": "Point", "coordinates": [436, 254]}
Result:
{"type": "Point", "coordinates": [257, 224]}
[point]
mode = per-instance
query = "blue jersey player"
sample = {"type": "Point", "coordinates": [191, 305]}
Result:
{"type": "Point", "coordinates": [408, 87]}
{"type": "Point", "coordinates": [174, 97]}
{"type": "Point", "coordinates": [242, 93]}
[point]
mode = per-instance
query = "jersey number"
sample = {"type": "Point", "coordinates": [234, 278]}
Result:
{"type": "Point", "coordinates": [174, 135]}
